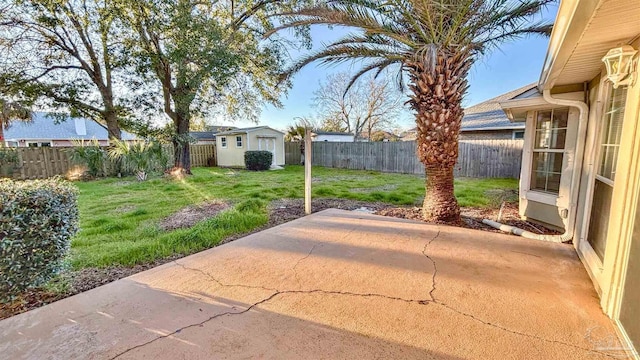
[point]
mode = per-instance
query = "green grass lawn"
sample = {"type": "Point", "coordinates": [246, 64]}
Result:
{"type": "Point", "coordinates": [119, 217]}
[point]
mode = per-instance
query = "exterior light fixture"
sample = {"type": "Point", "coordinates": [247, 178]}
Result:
{"type": "Point", "coordinates": [620, 64]}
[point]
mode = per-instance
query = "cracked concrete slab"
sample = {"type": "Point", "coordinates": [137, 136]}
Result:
{"type": "Point", "coordinates": [335, 284]}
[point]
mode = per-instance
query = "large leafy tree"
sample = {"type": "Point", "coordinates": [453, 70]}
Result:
{"type": "Point", "coordinates": [205, 58]}
{"type": "Point", "coordinates": [433, 43]}
{"type": "Point", "coordinates": [64, 54]}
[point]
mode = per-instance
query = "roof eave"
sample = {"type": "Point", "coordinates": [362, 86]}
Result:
{"type": "Point", "coordinates": [496, 128]}
{"type": "Point", "coordinates": [571, 21]}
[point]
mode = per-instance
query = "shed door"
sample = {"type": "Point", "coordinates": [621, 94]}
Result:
{"type": "Point", "coordinates": [268, 144]}
{"type": "Point", "coordinates": [609, 146]}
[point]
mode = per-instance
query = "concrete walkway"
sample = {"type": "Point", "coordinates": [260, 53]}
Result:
{"type": "Point", "coordinates": [335, 284]}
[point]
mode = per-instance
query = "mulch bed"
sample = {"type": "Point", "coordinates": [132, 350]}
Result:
{"type": "Point", "coordinates": [472, 217]}
{"type": "Point", "coordinates": [280, 211]}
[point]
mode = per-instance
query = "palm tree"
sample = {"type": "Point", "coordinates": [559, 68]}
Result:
{"type": "Point", "coordinates": [9, 112]}
{"type": "Point", "coordinates": [140, 157]}
{"type": "Point", "coordinates": [433, 44]}
{"type": "Point", "coordinates": [296, 132]}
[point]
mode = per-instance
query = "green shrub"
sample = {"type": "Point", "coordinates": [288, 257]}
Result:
{"type": "Point", "coordinates": [258, 160]}
{"type": "Point", "coordinates": [37, 220]}
{"type": "Point", "coordinates": [90, 153]}
{"type": "Point", "coordinates": [8, 161]}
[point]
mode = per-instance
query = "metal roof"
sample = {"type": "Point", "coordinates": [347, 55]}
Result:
{"type": "Point", "coordinates": [44, 127]}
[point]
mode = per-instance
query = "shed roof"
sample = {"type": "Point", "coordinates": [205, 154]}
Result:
{"type": "Point", "coordinates": [44, 127]}
{"type": "Point", "coordinates": [247, 130]}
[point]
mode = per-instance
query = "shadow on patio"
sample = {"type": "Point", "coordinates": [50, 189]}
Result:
{"type": "Point", "coordinates": [335, 284]}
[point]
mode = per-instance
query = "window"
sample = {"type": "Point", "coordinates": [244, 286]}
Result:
{"type": "Point", "coordinates": [239, 141]}
{"type": "Point", "coordinates": [611, 133]}
{"type": "Point", "coordinates": [548, 149]}
{"type": "Point", "coordinates": [38, 144]}
{"type": "Point", "coordinates": [223, 141]}
{"type": "Point", "coordinates": [518, 135]}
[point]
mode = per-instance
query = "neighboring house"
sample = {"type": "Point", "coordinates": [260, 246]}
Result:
{"type": "Point", "coordinates": [209, 137]}
{"type": "Point", "coordinates": [43, 131]}
{"type": "Point", "coordinates": [203, 137]}
{"type": "Point", "coordinates": [332, 136]}
{"type": "Point", "coordinates": [231, 145]}
{"type": "Point", "coordinates": [581, 160]}
{"type": "Point", "coordinates": [486, 120]}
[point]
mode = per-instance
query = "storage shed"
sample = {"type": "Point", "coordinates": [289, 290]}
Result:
{"type": "Point", "coordinates": [231, 145]}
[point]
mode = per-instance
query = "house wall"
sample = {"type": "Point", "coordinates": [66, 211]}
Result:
{"type": "Point", "coordinates": [487, 134]}
{"type": "Point", "coordinates": [544, 214]}
{"type": "Point", "coordinates": [630, 304]}
{"type": "Point", "coordinates": [334, 138]}
{"type": "Point", "coordinates": [231, 156]}
{"type": "Point", "coordinates": [616, 275]}
{"type": "Point", "coordinates": [256, 144]}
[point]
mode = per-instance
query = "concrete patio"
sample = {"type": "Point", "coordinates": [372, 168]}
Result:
{"type": "Point", "coordinates": [335, 284]}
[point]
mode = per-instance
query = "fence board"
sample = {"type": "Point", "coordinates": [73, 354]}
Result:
{"type": "Point", "coordinates": [477, 158]}
{"type": "Point", "coordinates": [45, 162]}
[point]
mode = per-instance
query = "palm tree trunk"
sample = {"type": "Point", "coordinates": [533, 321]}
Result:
{"type": "Point", "coordinates": [437, 100]}
{"type": "Point", "coordinates": [440, 203]}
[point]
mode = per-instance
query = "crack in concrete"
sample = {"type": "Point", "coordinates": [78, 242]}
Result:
{"type": "Point", "coordinates": [295, 273]}
{"type": "Point", "coordinates": [435, 267]}
{"type": "Point", "coordinates": [502, 328]}
{"type": "Point", "coordinates": [268, 298]}
{"type": "Point", "coordinates": [310, 291]}
{"type": "Point", "coordinates": [471, 316]}
{"type": "Point", "coordinates": [277, 293]}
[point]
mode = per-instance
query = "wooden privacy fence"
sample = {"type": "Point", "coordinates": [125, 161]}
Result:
{"type": "Point", "coordinates": [477, 158]}
{"type": "Point", "coordinates": [45, 162]}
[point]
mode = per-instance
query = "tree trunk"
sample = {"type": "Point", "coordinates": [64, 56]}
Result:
{"type": "Point", "coordinates": [181, 146]}
{"type": "Point", "coordinates": [440, 203]}
{"type": "Point", "coordinates": [1, 135]}
{"type": "Point", "coordinates": [437, 99]}
{"type": "Point", "coordinates": [113, 127]}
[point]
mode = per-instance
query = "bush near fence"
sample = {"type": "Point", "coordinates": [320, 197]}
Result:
{"type": "Point", "coordinates": [46, 162]}
{"type": "Point", "coordinates": [477, 158]}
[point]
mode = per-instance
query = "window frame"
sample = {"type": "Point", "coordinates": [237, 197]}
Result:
{"type": "Point", "coordinates": [538, 150]}
{"type": "Point", "coordinates": [239, 140]}
{"type": "Point", "coordinates": [223, 142]}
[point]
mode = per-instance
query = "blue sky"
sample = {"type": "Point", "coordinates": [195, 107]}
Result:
{"type": "Point", "coordinates": [515, 64]}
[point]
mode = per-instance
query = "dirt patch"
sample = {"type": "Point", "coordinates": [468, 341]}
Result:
{"type": "Point", "coordinates": [383, 188]}
{"type": "Point", "coordinates": [189, 216]}
{"type": "Point", "coordinates": [124, 209]}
